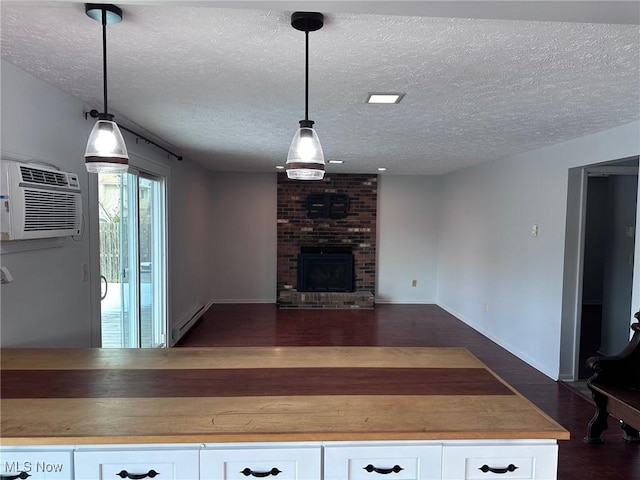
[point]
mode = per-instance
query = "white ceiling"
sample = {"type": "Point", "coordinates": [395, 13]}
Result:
{"type": "Point", "coordinates": [223, 82]}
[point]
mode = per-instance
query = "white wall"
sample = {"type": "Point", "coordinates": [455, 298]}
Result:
{"type": "Point", "coordinates": [48, 304]}
{"type": "Point", "coordinates": [243, 243]}
{"type": "Point", "coordinates": [190, 241]}
{"type": "Point", "coordinates": [492, 273]}
{"type": "Point", "coordinates": [407, 238]}
{"type": "Point", "coordinates": [243, 248]}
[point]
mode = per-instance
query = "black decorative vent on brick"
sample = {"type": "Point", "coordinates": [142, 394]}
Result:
{"type": "Point", "coordinates": [328, 205]}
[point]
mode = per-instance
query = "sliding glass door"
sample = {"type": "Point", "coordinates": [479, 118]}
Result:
{"type": "Point", "coordinates": [133, 260]}
{"type": "Point", "coordinates": [152, 248]}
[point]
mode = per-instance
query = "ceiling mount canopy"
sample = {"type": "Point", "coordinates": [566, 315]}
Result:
{"type": "Point", "coordinates": [307, 21]}
{"type": "Point", "coordinates": [305, 160]}
{"type": "Point", "coordinates": [95, 11]}
{"type": "Point", "coordinates": [106, 150]}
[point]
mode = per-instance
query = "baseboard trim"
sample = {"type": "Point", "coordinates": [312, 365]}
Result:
{"type": "Point", "coordinates": [405, 302]}
{"type": "Point", "coordinates": [506, 346]}
{"type": "Point", "coordinates": [188, 321]}
{"type": "Point", "coordinates": [244, 300]}
{"type": "Point", "coordinates": [566, 378]}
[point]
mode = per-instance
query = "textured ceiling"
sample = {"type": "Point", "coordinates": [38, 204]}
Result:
{"type": "Point", "coordinates": [225, 86]}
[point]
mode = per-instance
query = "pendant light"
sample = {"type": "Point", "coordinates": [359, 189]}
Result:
{"type": "Point", "coordinates": [305, 160]}
{"type": "Point", "coordinates": [106, 151]}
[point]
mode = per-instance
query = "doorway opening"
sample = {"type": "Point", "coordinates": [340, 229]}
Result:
{"type": "Point", "coordinates": [600, 246]}
{"type": "Point", "coordinates": [607, 275]}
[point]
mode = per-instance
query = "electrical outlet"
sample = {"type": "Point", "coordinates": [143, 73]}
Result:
{"type": "Point", "coordinates": [534, 230]}
{"type": "Point", "coordinates": [414, 283]}
{"type": "Point", "coordinates": [485, 307]}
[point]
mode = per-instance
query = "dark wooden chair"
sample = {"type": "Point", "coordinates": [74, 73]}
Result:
{"type": "Point", "coordinates": [615, 388]}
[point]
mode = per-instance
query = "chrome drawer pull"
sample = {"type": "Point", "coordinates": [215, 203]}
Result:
{"type": "Point", "coordinates": [384, 471]}
{"type": "Point", "coordinates": [487, 468]}
{"type": "Point", "coordinates": [21, 476]}
{"type": "Point", "coordinates": [137, 476]}
{"type": "Point", "coordinates": [248, 472]}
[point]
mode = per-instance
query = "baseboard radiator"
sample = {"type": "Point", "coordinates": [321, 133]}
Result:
{"type": "Point", "coordinates": [187, 322]}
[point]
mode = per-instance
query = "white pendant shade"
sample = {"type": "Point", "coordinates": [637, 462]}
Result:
{"type": "Point", "coordinates": [106, 150]}
{"type": "Point", "coordinates": [305, 160]}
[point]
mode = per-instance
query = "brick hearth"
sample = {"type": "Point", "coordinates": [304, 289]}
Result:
{"type": "Point", "coordinates": [334, 300]}
{"type": "Point", "coordinates": [357, 230]}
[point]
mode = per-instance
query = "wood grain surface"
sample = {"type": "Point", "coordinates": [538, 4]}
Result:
{"type": "Point", "coordinates": [235, 357]}
{"type": "Point", "coordinates": [248, 382]}
{"type": "Point", "coordinates": [259, 394]}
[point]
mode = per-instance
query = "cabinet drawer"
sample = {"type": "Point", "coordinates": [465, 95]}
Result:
{"type": "Point", "coordinates": [397, 462]}
{"type": "Point", "coordinates": [37, 464]}
{"type": "Point", "coordinates": [291, 463]}
{"type": "Point", "coordinates": [522, 462]}
{"type": "Point", "coordinates": [112, 464]}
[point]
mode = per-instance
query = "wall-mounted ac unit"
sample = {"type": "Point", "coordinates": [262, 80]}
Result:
{"type": "Point", "coordinates": [38, 202]}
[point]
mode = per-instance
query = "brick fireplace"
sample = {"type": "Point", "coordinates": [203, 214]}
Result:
{"type": "Point", "coordinates": [337, 212]}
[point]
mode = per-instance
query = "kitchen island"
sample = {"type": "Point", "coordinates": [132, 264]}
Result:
{"type": "Point", "coordinates": [305, 412]}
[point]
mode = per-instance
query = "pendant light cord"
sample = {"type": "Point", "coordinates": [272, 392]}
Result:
{"type": "Point", "coordinates": [306, 76]}
{"type": "Point", "coordinates": [104, 57]}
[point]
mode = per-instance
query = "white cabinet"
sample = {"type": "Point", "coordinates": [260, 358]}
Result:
{"type": "Point", "coordinates": [269, 461]}
{"type": "Point", "coordinates": [358, 460]}
{"type": "Point", "coordinates": [136, 463]}
{"type": "Point", "coordinates": [393, 461]}
{"type": "Point", "coordinates": [522, 461]}
{"type": "Point", "coordinates": [35, 464]}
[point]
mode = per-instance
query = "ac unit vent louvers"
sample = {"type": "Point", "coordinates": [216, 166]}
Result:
{"type": "Point", "coordinates": [43, 177]}
{"type": "Point", "coordinates": [38, 202]}
{"type": "Point", "coordinates": [49, 210]}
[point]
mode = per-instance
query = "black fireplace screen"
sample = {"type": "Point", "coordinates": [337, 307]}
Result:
{"type": "Point", "coordinates": [325, 272]}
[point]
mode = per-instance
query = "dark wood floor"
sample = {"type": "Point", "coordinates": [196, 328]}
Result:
{"type": "Point", "coordinates": [426, 325]}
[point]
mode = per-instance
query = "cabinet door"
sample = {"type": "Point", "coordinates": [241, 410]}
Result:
{"type": "Point", "coordinates": [522, 462]}
{"type": "Point", "coordinates": [294, 463]}
{"type": "Point", "coordinates": [36, 464]}
{"type": "Point", "coordinates": [396, 462]}
{"type": "Point", "coordinates": [165, 464]}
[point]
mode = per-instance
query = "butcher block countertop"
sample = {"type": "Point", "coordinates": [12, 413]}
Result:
{"type": "Point", "coordinates": [258, 394]}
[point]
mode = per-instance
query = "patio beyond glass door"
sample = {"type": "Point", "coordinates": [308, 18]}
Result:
{"type": "Point", "coordinates": [132, 260]}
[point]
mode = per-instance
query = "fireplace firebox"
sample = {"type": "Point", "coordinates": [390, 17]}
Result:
{"type": "Point", "coordinates": [325, 269]}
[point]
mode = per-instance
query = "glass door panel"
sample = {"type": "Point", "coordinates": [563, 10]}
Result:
{"type": "Point", "coordinates": [132, 260]}
{"type": "Point", "coordinates": [114, 259]}
{"type": "Point", "coordinates": [129, 291]}
{"type": "Point", "coordinates": [152, 261]}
